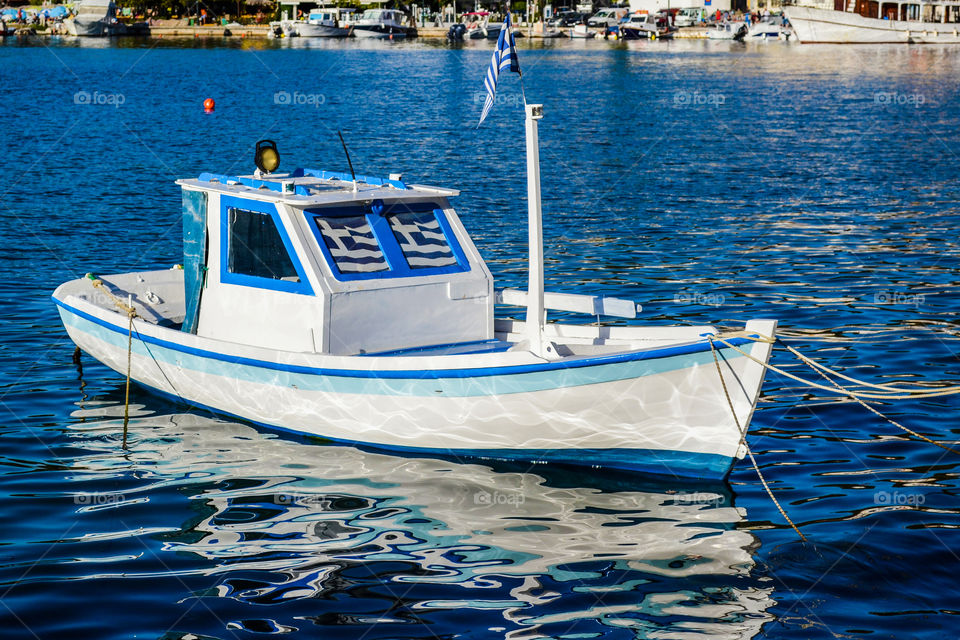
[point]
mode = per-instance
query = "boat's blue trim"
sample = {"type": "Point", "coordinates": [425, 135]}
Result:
{"type": "Point", "coordinates": [222, 178]}
{"type": "Point", "coordinates": [346, 177]}
{"type": "Point", "coordinates": [377, 206]}
{"type": "Point", "coordinates": [277, 185]}
{"type": "Point", "coordinates": [417, 374]}
{"type": "Point", "coordinates": [658, 462]}
{"type": "Point", "coordinates": [451, 237]}
{"type": "Point", "coordinates": [253, 183]}
{"type": "Point", "coordinates": [451, 348]}
{"type": "Point", "coordinates": [231, 202]}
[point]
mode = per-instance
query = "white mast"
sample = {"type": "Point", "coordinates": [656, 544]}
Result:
{"type": "Point", "coordinates": [535, 312]}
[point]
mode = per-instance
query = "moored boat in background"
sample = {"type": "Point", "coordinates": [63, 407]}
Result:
{"type": "Point", "coordinates": [653, 26]}
{"type": "Point", "coordinates": [383, 23]}
{"type": "Point", "coordinates": [728, 31]}
{"type": "Point", "coordinates": [477, 26]}
{"type": "Point", "coordinates": [767, 30]}
{"type": "Point", "coordinates": [868, 21]}
{"type": "Point", "coordinates": [323, 22]}
{"type": "Point", "coordinates": [94, 18]}
{"type": "Point", "coordinates": [582, 31]}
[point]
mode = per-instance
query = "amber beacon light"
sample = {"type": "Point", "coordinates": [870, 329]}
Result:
{"type": "Point", "coordinates": [267, 157]}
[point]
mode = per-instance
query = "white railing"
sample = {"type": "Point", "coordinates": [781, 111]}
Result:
{"type": "Point", "coordinates": [573, 302]}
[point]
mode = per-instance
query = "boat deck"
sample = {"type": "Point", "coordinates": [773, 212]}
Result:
{"type": "Point", "coordinates": [158, 297]}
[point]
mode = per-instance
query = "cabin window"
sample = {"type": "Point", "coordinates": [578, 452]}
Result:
{"type": "Point", "coordinates": [421, 240]}
{"type": "Point", "coordinates": [400, 240]}
{"type": "Point", "coordinates": [352, 245]}
{"type": "Point", "coordinates": [256, 248]}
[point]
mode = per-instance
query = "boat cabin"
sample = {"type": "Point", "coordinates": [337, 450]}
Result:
{"type": "Point", "coordinates": [319, 262]}
{"type": "Point", "coordinates": [382, 16]}
{"type": "Point", "coordinates": [944, 12]}
{"type": "Point", "coordinates": [322, 16]}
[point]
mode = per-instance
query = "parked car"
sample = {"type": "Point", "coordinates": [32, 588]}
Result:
{"type": "Point", "coordinates": [687, 17]}
{"type": "Point", "coordinates": [606, 17]}
{"type": "Point", "coordinates": [567, 18]}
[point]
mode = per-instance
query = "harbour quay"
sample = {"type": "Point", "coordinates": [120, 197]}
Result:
{"type": "Point", "coordinates": [183, 28]}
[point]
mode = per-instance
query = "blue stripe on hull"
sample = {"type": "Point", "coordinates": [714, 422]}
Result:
{"type": "Point", "coordinates": [428, 382]}
{"type": "Point", "coordinates": [653, 462]}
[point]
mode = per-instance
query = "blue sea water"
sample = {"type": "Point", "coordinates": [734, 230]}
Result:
{"type": "Point", "coordinates": [713, 182]}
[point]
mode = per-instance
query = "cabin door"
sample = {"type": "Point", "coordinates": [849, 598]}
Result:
{"type": "Point", "coordinates": [194, 255]}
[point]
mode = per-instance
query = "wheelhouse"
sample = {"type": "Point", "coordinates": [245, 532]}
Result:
{"type": "Point", "coordinates": [943, 12]}
{"type": "Point", "coordinates": [313, 261]}
{"type": "Point", "coordinates": [381, 15]}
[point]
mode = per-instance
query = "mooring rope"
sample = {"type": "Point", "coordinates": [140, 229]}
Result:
{"type": "Point", "coordinates": [736, 421]}
{"type": "Point", "coordinates": [909, 395]}
{"type": "Point", "coordinates": [886, 387]}
{"type": "Point", "coordinates": [873, 410]}
{"type": "Point", "coordinates": [131, 314]}
{"type": "Point", "coordinates": [857, 396]}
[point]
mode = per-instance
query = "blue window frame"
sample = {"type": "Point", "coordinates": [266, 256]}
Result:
{"type": "Point", "coordinates": [255, 250]}
{"type": "Point", "coordinates": [395, 241]}
{"type": "Point", "coordinates": [421, 240]}
{"type": "Point", "coordinates": [352, 246]}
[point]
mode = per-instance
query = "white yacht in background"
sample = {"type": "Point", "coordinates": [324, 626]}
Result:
{"type": "Point", "coordinates": [867, 21]}
{"type": "Point", "coordinates": [94, 18]}
{"type": "Point", "coordinates": [728, 31]}
{"type": "Point", "coordinates": [654, 26]}
{"type": "Point", "coordinates": [322, 22]}
{"type": "Point", "coordinates": [767, 30]}
{"type": "Point", "coordinates": [383, 23]}
{"type": "Point", "coordinates": [582, 31]}
{"type": "Point", "coordinates": [478, 26]}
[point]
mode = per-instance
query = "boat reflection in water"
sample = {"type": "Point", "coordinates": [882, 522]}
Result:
{"type": "Point", "coordinates": [359, 538]}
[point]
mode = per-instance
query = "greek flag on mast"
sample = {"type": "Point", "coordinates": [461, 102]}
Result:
{"type": "Point", "coordinates": [504, 57]}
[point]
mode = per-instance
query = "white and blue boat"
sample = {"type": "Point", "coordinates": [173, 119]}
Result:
{"type": "Point", "coordinates": [322, 22]}
{"type": "Point", "coordinates": [384, 24]}
{"type": "Point", "coordinates": [358, 309]}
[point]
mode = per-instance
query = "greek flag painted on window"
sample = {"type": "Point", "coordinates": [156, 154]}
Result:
{"type": "Point", "coordinates": [352, 245]}
{"type": "Point", "coordinates": [421, 240]}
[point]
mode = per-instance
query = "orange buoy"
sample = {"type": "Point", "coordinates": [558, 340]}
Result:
{"type": "Point", "coordinates": [209, 105]}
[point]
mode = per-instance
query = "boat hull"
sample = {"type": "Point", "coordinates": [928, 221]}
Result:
{"type": "Point", "coordinates": [383, 31]}
{"type": "Point", "coordinates": [308, 30]}
{"type": "Point", "coordinates": [733, 31]}
{"type": "Point", "coordinates": [658, 413]}
{"type": "Point", "coordinates": [633, 33]}
{"type": "Point", "coordinates": [765, 31]}
{"type": "Point", "coordinates": [89, 28]}
{"type": "Point", "coordinates": [813, 25]}
{"type": "Point", "coordinates": [490, 32]}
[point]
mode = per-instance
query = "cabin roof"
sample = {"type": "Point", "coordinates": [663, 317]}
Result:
{"type": "Point", "coordinates": [307, 187]}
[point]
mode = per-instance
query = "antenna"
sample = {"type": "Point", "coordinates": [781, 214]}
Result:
{"type": "Point", "coordinates": [350, 164]}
